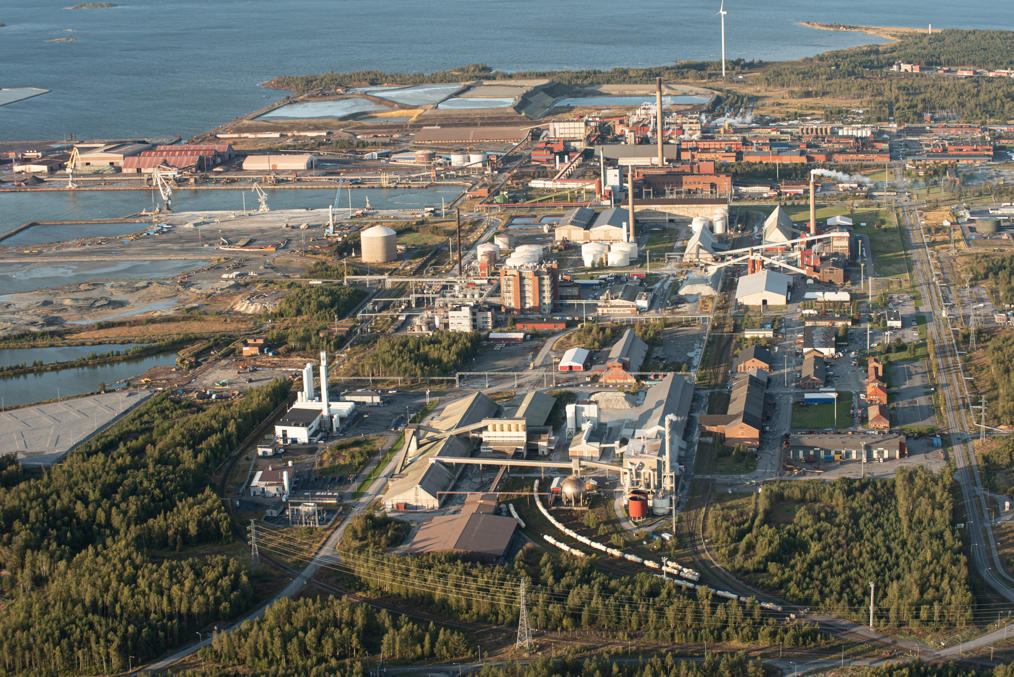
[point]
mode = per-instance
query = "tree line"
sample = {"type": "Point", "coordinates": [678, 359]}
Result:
{"type": "Point", "coordinates": [437, 354]}
{"type": "Point", "coordinates": [821, 543]}
{"type": "Point", "coordinates": [94, 550]}
{"type": "Point", "coordinates": [326, 635]}
{"type": "Point", "coordinates": [323, 302]}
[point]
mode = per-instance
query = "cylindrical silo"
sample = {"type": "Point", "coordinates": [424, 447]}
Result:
{"type": "Point", "coordinates": [379, 245]}
{"type": "Point", "coordinates": [488, 250]}
{"type": "Point", "coordinates": [424, 157]}
{"type": "Point", "coordinates": [477, 159]}
{"type": "Point", "coordinates": [721, 221]}
{"type": "Point", "coordinates": [637, 506]}
{"type": "Point", "coordinates": [504, 241]}
{"type": "Point", "coordinates": [459, 159]}
{"type": "Point", "coordinates": [593, 254]}
{"type": "Point", "coordinates": [617, 258]}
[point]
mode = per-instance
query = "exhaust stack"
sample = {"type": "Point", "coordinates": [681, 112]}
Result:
{"type": "Point", "coordinates": [658, 121]}
{"type": "Point", "coordinates": [630, 203]}
{"type": "Point", "coordinates": [813, 206]}
{"type": "Point", "coordinates": [308, 394]}
{"type": "Point", "coordinates": [325, 406]}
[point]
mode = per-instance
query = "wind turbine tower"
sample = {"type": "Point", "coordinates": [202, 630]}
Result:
{"type": "Point", "coordinates": [722, 13]}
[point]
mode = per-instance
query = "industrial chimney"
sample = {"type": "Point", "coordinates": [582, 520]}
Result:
{"type": "Point", "coordinates": [324, 404]}
{"type": "Point", "coordinates": [658, 120]}
{"type": "Point", "coordinates": [813, 206]}
{"type": "Point", "coordinates": [630, 204]}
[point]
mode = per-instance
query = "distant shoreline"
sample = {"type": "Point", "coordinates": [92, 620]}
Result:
{"type": "Point", "coordinates": [892, 33]}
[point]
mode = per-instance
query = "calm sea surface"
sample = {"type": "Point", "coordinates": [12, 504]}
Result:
{"type": "Point", "coordinates": [163, 67]}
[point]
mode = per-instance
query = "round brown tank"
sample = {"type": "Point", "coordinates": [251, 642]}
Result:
{"type": "Point", "coordinates": [572, 489]}
{"type": "Point", "coordinates": [987, 225]}
{"type": "Point", "coordinates": [637, 506]}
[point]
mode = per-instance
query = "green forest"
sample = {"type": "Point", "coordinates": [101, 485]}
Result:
{"type": "Point", "coordinates": [95, 549]}
{"type": "Point", "coordinates": [326, 636]}
{"type": "Point", "coordinates": [439, 354]}
{"type": "Point", "coordinates": [996, 273]}
{"type": "Point", "coordinates": [994, 375]}
{"type": "Point", "coordinates": [322, 303]}
{"type": "Point", "coordinates": [822, 543]}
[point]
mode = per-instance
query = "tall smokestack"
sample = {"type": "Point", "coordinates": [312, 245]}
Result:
{"type": "Point", "coordinates": [457, 225]}
{"type": "Point", "coordinates": [324, 404]}
{"type": "Point", "coordinates": [602, 171]}
{"type": "Point", "coordinates": [658, 119]}
{"type": "Point", "coordinates": [813, 206]}
{"type": "Point", "coordinates": [630, 203]}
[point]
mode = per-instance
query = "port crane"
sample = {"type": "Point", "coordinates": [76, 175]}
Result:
{"type": "Point", "coordinates": [262, 198]}
{"type": "Point", "coordinates": [161, 180]}
{"type": "Point", "coordinates": [71, 163]}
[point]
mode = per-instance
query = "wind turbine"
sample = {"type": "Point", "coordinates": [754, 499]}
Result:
{"type": "Point", "coordinates": [722, 13]}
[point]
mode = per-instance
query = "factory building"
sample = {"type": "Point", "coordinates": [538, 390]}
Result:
{"type": "Point", "coordinates": [197, 157]}
{"type": "Point", "coordinates": [763, 288]}
{"type": "Point", "coordinates": [299, 424]}
{"type": "Point", "coordinates": [469, 318]}
{"type": "Point", "coordinates": [697, 286]}
{"type": "Point", "coordinates": [754, 358]}
{"type": "Point", "coordinates": [100, 156]}
{"type": "Point", "coordinates": [421, 484]}
{"type": "Point", "coordinates": [581, 224]}
{"type": "Point", "coordinates": [626, 356]}
{"type": "Point", "coordinates": [819, 341]}
{"type": "Point", "coordinates": [529, 288]}
{"type": "Point", "coordinates": [877, 417]}
{"type": "Point", "coordinates": [580, 413]}
{"type": "Point", "coordinates": [362, 397]}
{"type": "Point", "coordinates": [476, 534]}
{"type": "Point", "coordinates": [273, 482]}
{"type": "Point", "coordinates": [854, 447]}
{"type": "Point", "coordinates": [813, 374]}
{"type": "Point", "coordinates": [702, 246]}
{"type": "Point", "coordinates": [741, 424]}
{"type": "Point", "coordinates": [575, 359]}
{"type": "Point", "coordinates": [379, 245]}
{"type": "Point", "coordinates": [286, 162]}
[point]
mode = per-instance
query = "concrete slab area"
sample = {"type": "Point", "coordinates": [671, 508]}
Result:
{"type": "Point", "coordinates": [42, 434]}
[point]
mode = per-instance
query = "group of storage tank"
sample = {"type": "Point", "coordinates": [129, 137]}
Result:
{"type": "Point", "coordinates": [718, 223]}
{"type": "Point", "coordinates": [476, 160]}
{"type": "Point", "coordinates": [526, 254]}
{"type": "Point", "coordinates": [379, 244]}
{"type": "Point", "coordinates": [616, 254]}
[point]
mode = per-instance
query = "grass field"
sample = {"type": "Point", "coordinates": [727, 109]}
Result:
{"type": "Point", "coordinates": [819, 416]}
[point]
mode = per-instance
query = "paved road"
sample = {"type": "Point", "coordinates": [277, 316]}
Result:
{"type": "Point", "coordinates": [951, 385]}
{"type": "Point", "coordinates": [324, 556]}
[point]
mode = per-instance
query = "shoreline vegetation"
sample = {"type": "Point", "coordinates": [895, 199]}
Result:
{"type": "Point", "coordinates": [892, 33]}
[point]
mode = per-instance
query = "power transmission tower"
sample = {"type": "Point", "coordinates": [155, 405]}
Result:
{"type": "Point", "coordinates": [255, 555]}
{"type": "Point", "coordinates": [982, 425]}
{"type": "Point", "coordinates": [972, 325]}
{"type": "Point", "coordinates": [524, 628]}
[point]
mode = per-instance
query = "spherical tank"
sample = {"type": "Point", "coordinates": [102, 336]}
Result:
{"type": "Point", "coordinates": [987, 225]}
{"type": "Point", "coordinates": [637, 506]}
{"type": "Point", "coordinates": [572, 489]}
{"type": "Point", "coordinates": [459, 159]}
{"type": "Point", "coordinates": [379, 245]}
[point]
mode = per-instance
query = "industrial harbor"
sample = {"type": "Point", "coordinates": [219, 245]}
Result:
{"type": "Point", "coordinates": [522, 373]}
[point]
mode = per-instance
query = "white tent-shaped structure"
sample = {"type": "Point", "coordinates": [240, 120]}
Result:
{"type": "Point", "coordinates": [778, 227]}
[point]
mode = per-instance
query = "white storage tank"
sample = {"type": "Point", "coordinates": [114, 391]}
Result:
{"type": "Point", "coordinates": [530, 250]}
{"type": "Point", "coordinates": [459, 159]}
{"type": "Point", "coordinates": [618, 258]}
{"type": "Point", "coordinates": [477, 159]}
{"type": "Point", "coordinates": [593, 254]}
{"type": "Point", "coordinates": [504, 241]}
{"type": "Point", "coordinates": [488, 250]}
{"type": "Point", "coordinates": [629, 247]}
{"type": "Point", "coordinates": [721, 222]}
{"type": "Point", "coordinates": [379, 245]}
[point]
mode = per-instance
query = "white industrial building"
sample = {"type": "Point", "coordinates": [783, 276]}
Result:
{"type": "Point", "coordinates": [764, 288]}
{"type": "Point", "coordinates": [278, 162]}
{"type": "Point", "coordinates": [310, 415]}
{"type": "Point", "coordinates": [469, 318]}
{"type": "Point", "coordinates": [696, 286]}
{"type": "Point", "coordinates": [580, 413]}
{"type": "Point", "coordinates": [273, 481]}
{"type": "Point", "coordinates": [299, 424]}
{"type": "Point", "coordinates": [702, 246]}
{"type": "Point", "coordinates": [581, 224]}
